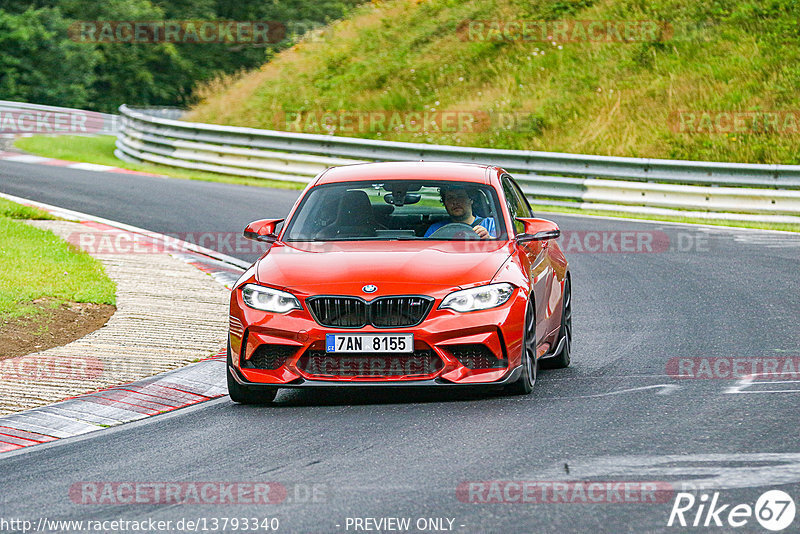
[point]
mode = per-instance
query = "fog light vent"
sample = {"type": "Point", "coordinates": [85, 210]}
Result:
{"type": "Point", "coordinates": [477, 357]}
{"type": "Point", "coordinates": [269, 357]}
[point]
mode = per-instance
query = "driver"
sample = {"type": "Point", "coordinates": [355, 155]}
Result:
{"type": "Point", "coordinates": [458, 203]}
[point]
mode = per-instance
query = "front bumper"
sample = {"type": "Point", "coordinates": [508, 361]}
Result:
{"type": "Point", "coordinates": [442, 332]}
{"type": "Point", "coordinates": [300, 383]}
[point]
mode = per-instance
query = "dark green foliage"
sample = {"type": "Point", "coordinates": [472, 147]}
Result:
{"type": "Point", "coordinates": [39, 63]}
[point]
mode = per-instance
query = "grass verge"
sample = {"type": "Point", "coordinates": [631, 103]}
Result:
{"type": "Point", "coordinates": [12, 210]}
{"type": "Point", "coordinates": [100, 150]}
{"type": "Point", "coordinates": [36, 264]}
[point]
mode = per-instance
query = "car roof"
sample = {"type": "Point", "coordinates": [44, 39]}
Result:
{"type": "Point", "coordinates": [414, 170]}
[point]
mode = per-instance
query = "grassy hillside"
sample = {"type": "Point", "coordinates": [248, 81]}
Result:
{"type": "Point", "coordinates": [572, 95]}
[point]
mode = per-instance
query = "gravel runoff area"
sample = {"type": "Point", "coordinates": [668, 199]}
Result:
{"type": "Point", "coordinates": [169, 314]}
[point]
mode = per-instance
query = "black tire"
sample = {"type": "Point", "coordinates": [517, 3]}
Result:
{"type": "Point", "coordinates": [530, 364]}
{"type": "Point", "coordinates": [244, 395]}
{"type": "Point", "coordinates": [562, 360]}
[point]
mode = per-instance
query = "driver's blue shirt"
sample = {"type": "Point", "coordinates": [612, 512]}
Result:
{"type": "Point", "coordinates": [486, 222]}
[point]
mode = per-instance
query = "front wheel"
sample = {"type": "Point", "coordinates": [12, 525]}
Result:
{"type": "Point", "coordinates": [244, 395]}
{"type": "Point", "coordinates": [530, 364]}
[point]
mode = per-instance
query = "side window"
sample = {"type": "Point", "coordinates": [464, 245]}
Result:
{"type": "Point", "coordinates": [524, 205]}
{"type": "Point", "coordinates": [516, 206]}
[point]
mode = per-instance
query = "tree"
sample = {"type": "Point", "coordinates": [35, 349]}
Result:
{"type": "Point", "coordinates": [38, 63]}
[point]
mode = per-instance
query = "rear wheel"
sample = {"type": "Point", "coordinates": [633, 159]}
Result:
{"type": "Point", "coordinates": [530, 364]}
{"type": "Point", "coordinates": [244, 395]}
{"type": "Point", "coordinates": [565, 333]}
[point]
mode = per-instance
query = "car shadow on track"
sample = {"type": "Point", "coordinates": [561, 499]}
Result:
{"type": "Point", "coordinates": [354, 396]}
{"type": "Point", "coordinates": [360, 396]}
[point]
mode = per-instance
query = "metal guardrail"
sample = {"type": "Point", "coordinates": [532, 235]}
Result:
{"type": "Point", "coordinates": [773, 191]}
{"type": "Point", "coordinates": [21, 118]}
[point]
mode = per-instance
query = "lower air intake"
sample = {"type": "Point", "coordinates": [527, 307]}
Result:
{"type": "Point", "coordinates": [420, 363]}
{"type": "Point", "coordinates": [477, 357]}
{"type": "Point", "coordinates": [269, 357]}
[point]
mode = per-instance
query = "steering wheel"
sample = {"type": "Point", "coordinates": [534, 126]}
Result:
{"type": "Point", "coordinates": [454, 231]}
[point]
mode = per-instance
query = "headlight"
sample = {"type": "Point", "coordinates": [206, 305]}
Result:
{"type": "Point", "coordinates": [478, 298]}
{"type": "Point", "coordinates": [268, 299]}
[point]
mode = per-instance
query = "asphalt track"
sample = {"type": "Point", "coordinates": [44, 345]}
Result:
{"type": "Point", "coordinates": [615, 415]}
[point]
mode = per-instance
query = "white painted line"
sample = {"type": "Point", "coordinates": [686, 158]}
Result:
{"type": "Point", "coordinates": [768, 391]}
{"type": "Point", "coordinates": [749, 381]}
{"type": "Point", "coordinates": [665, 389]}
{"type": "Point", "coordinates": [90, 167]}
{"type": "Point", "coordinates": [26, 158]}
{"type": "Point", "coordinates": [689, 471]}
{"type": "Point", "coordinates": [739, 386]}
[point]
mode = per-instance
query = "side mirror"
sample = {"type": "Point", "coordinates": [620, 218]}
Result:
{"type": "Point", "coordinates": [537, 230]}
{"type": "Point", "coordinates": [263, 230]}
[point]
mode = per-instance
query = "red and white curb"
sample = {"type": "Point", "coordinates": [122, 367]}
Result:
{"type": "Point", "coordinates": [195, 383]}
{"type": "Point", "coordinates": [165, 392]}
{"type": "Point", "coordinates": [16, 157]}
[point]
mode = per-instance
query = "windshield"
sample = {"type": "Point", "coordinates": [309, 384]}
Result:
{"type": "Point", "coordinates": [398, 210]}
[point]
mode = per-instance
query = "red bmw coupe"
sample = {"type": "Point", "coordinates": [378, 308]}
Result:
{"type": "Point", "coordinates": [401, 274]}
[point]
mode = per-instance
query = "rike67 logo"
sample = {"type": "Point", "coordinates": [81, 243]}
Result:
{"type": "Point", "coordinates": [774, 510]}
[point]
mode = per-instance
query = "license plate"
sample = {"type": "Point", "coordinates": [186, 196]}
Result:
{"type": "Point", "coordinates": [344, 343]}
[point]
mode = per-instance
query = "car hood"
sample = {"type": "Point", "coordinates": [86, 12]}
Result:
{"type": "Point", "coordinates": [397, 267]}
